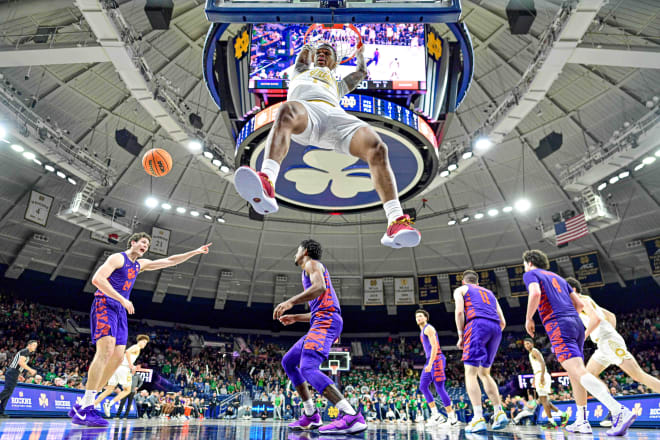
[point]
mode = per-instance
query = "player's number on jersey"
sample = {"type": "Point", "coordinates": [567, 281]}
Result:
{"type": "Point", "coordinates": [484, 296]}
{"type": "Point", "coordinates": [556, 285]}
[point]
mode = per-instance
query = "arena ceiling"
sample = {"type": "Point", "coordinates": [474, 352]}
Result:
{"type": "Point", "coordinates": [587, 103]}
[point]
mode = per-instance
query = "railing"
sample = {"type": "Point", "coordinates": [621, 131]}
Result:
{"type": "Point", "coordinates": [243, 399]}
{"type": "Point", "coordinates": [48, 37]}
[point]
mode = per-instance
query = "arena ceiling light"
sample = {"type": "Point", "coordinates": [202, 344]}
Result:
{"type": "Point", "coordinates": [17, 148]}
{"type": "Point", "coordinates": [522, 205]}
{"type": "Point", "coordinates": [483, 143]}
{"type": "Point", "coordinates": [29, 155]}
{"type": "Point", "coordinates": [451, 222]}
{"type": "Point", "coordinates": [207, 154]}
{"type": "Point", "coordinates": [194, 213]}
{"type": "Point", "coordinates": [624, 174]}
{"type": "Point", "coordinates": [224, 169]}
{"type": "Point", "coordinates": [493, 212]}
{"type": "Point", "coordinates": [444, 173]}
{"type": "Point", "coordinates": [638, 167]}
{"type": "Point", "coordinates": [49, 168]}
{"type": "Point", "coordinates": [3, 132]}
{"type": "Point", "coordinates": [507, 209]}
{"type": "Point", "coordinates": [602, 186]}
{"type": "Point", "coordinates": [479, 215]}
{"type": "Point", "coordinates": [647, 160]}
{"type": "Point", "coordinates": [657, 153]}
{"type": "Point", "coordinates": [71, 180]}
{"type": "Point", "coordinates": [166, 206]}
{"type": "Point", "coordinates": [452, 166]}
{"type": "Point", "coordinates": [613, 180]}
{"type": "Point", "coordinates": [221, 220]}
{"type": "Point", "coordinates": [37, 161]}
{"type": "Point", "coordinates": [194, 146]}
{"type": "Point", "coordinates": [207, 216]}
{"type": "Point", "coordinates": [467, 154]}
{"type": "Point", "coordinates": [181, 210]}
{"type": "Point", "coordinates": [466, 218]}
{"type": "Point", "coordinates": [151, 202]}
{"type": "Point", "coordinates": [60, 174]}
{"type": "Point", "coordinates": [216, 162]}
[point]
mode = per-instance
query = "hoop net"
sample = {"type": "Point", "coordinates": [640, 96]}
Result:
{"type": "Point", "coordinates": [334, 367]}
{"type": "Point", "coordinates": [345, 38]}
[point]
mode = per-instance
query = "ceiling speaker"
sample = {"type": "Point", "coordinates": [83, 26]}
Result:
{"type": "Point", "coordinates": [159, 13]}
{"type": "Point", "coordinates": [128, 141]}
{"type": "Point", "coordinates": [549, 145]}
{"type": "Point", "coordinates": [521, 15]}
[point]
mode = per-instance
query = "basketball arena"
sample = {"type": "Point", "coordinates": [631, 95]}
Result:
{"type": "Point", "coordinates": [329, 219]}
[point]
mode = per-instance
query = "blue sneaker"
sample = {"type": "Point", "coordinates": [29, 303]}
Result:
{"type": "Point", "coordinates": [72, 411]}
{"type": "Point", "coordinates": [622, 422]}
{"type": "Point", "coordinates": [501, 420]}
{"type": "Point", "coordinates": [478, 425]}
{"type": "Point", "coordinates": [89, 417]}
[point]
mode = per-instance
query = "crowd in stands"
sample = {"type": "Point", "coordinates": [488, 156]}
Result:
{"type": "Point", "coordinates": [197, 379]}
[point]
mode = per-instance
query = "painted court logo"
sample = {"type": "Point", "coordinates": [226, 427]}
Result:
{"type": "Point", "coordinates": [333, 412]}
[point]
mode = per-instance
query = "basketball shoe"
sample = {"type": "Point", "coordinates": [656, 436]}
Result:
{"type": "Point", "coordinates": [72, 411]}
{"type": "Point", "coordinates": [257, 189]}
{"type": "Point", "coordinates": [307, 422]}
{"type": "Point", "coordinates": [478, 425]}
{"type": "Point", "coordinates": [400, 234]}
{"type": "Point", "coordinates": [501, 420]}
{"type": "Point", "coordinates": [621, 422]}
{"type": "Point", "coordinates": [582, 427]}
{"type": "Point", "coordinates": [345, 424]}
{"type": "Point", "coordinates": [89, 417]}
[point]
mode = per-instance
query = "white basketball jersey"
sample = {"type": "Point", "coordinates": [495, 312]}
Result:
{"type": "Point", "coordinates": [604, 329]}
{"type": "Point", "coordinates": [124, 362]}
{"type": "Point", "coordinates": [317, 83]}
{"type": "Point", "coordinates": [537, 368]}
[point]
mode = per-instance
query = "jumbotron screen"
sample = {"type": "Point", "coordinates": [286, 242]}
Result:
{"type": "Point", "coordinates": [395, 56]}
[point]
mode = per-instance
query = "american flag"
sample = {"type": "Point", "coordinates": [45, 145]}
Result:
{"type": "Point", "coordinates": [571, 229]}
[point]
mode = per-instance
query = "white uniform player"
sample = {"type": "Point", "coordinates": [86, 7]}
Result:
{"type": "Point", "coordinates": [329, 126]}
{"type": "Point", "coordinates": [122, 375]}
{"type": "Point", "coordinates": [612, 348]}
{"type": "Point", "coordinates": [542, 379]}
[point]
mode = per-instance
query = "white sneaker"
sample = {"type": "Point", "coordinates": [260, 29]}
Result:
{"type": "Point", "coordinates": [256, 189]}
{"type": "Point", "coordinates": [582, 427]}
{"type": "Point", "coordinates": [106, 408]}
{"type": "Point", "coordinates": [451, 420]}
{"type": "Point", "coordinates": [435, 420]}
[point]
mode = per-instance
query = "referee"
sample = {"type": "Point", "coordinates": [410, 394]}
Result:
{"type": "Point", "coordinates": [18, 364]}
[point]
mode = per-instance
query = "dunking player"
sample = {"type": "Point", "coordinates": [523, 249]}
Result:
{"type": "Point", "coordinates": [558, 307]}
{"type": "Point", "coordinates": [479, 322]}
{"type": "Point", "coordinates": [611, 348]}
{"type": "Point", "coordinates": [301, 363]}
{"type": "Point", "coordinates": [312, 116]}
{"type": "Point", "coordinates": [123, 375]}
{"type": "Point", "coordinates": [109, 323]}
{"type": "Point", "coordinates": [542, 383]}
{"type": "Point", "coordinates": [434, 370]}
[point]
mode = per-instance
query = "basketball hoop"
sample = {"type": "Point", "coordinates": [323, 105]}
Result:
{"type": "Point", "coordinates": [344, 38]}
{"type": "Point", "coordinates": [334, 367]}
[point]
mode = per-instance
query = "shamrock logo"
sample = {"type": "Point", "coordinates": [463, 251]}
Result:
{"type": "Point", "coordinates": [241, 44]}
{"type": "Point", "coordinates": [345, 177]}
{"type": "Point", "coordinates": [434, 46]}
{"type": "Point", "coordinates": [43, 400]}
{"type": "Point", "coordinates": [333, 412]}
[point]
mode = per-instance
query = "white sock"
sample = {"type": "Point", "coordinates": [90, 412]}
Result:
{"type": "Point", "coordinates": [308, 406]}
{"type": "Point", "coordinates": [581, 415]}
{"type": "Point", "coordinates": [434, 410]}
{"type": "Point", "coordinates": [345, 407]}
{"type": "Point", "coordinates": [599, 390]}
{"type": "Point", "coordinates": [271, 169]}
{"type": "Point", "coordinates": [478, 412]}
{"type": "Point", "coordinates": [393, 210]}
{"type": "Point", "coordinates": [88, 398]}
{"type": "Point", "coordinates": [498, 409]}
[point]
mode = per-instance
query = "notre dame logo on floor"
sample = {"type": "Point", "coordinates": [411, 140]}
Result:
{"type": "Point", "coordinates": [333, 412]}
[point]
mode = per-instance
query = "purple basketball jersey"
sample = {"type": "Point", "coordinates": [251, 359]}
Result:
{"type": "Point", "coordinates": [328, 301]}
{"type": "Point", "coordinates": [123, 278]}
{"type": "Point", "coordinates": [426, 342]}
{"type": "Point", "coordinates": [555, 294]}
{"type": "Point", "coordinates": [480, 303]}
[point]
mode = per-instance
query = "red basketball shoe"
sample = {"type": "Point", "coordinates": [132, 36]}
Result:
{"type": "Point", "coordinates": [400, 234]}
{"type": "Point", "coordinates": [257, 189]}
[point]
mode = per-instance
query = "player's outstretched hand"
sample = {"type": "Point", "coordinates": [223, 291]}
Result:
{"type": "Point", "coordinates": [204, 249]}
{"type": "Point", "coordinates": [530, 327]}
{"type": "Point", "coordinates": [287, 319]}
{"type": "Point", "coordinates": [281, 308]}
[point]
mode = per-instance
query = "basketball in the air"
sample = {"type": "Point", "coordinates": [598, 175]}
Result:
{"type": "Point", "coordinates": [157, 162]}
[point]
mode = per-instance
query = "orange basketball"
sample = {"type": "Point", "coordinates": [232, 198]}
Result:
{"type": "Point", "coordinates": [157, 162]}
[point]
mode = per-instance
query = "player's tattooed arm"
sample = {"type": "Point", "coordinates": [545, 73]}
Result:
{"type": "Point", "coordinates": [352, 80]}
{"type": "Point", "coordinates": [305, 58]}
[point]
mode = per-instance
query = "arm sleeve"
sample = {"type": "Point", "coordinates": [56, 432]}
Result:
{"type": "Point", "coordinates": [342, 89]}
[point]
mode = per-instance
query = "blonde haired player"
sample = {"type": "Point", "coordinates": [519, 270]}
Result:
{"type": "Point", "coordinates": [542, 383]}
{"type": "Point", "coordinates": [611, 348]}
{"type": "Point", "coordinates": [312, 116]}
{"type": "Point", "coordinates": [123, 375]}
